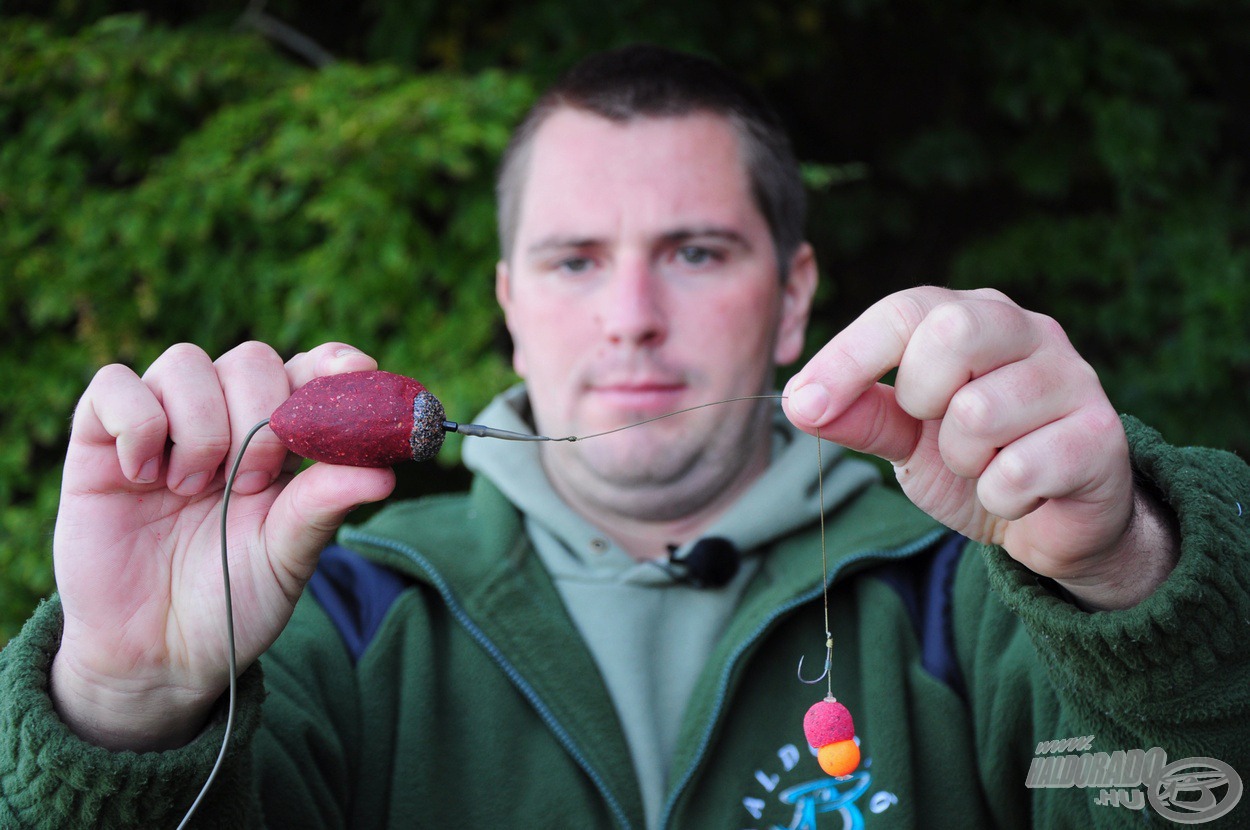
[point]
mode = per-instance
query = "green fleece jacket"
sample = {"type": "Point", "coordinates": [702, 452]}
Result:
{"type": "Point", "coordinates": [463, 697]}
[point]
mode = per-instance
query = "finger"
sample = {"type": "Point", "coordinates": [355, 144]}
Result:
{"type": "Point", "coordinates": [837, 393]}
{"type": "Point", "coordinates": [309, 511]}
{"type": "Point", "coordinates": [863, 352]}
{"type": "Point", "coordinates": [873, 424]}
{"type": "Point", "coordinates": [998, 408]}
{"type": "Point", "coordinates": [254, 383]}
{"type": "Point", "coordinates": [1066, 459]}
{"type": "Point", "coordinates": [327, 359]}
{"type": "Point", "coordinates": [118, 411]}
{"type": "Point", "coordinates": [184, 381]}
{"type": "Point", "coordinates": [960, 341]}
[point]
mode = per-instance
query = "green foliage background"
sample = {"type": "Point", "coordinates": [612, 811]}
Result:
{"type": "Point", "coordinates": [168, 173]}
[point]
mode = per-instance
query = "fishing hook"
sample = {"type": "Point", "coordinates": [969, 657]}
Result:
{"type": "Point", "coordinates": [828, 662]}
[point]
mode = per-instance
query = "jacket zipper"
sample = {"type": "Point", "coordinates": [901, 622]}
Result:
{"type": "Point", "coordinates": [528, 691]}
{"type": "Point", "coordinates": [888, 554]}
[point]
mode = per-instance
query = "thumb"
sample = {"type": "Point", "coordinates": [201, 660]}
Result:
{"type": "Point", "coordinates": [872, 423]}
{"type": "Point", "coordinates": [309, 511]}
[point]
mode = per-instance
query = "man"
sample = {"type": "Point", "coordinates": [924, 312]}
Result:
{"type": "Point", "coordinates": [515, 657]}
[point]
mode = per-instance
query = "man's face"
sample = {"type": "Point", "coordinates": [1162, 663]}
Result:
{"type": "Point", "coordinates": [643, 280]}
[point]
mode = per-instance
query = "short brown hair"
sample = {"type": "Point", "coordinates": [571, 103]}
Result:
{"type": "Point", "coordinates": [651, 81]}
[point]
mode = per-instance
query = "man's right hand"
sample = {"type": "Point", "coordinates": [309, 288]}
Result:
{"type": "Point", "coordinates": [143, 657]}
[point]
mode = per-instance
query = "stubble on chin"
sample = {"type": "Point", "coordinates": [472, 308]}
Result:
{"type": "Point", "coordinates": [655, 481]}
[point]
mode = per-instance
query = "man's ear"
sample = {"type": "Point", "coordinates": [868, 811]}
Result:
{"type": "Point", "coordinates": [503, 294]}
{"type": "Point", "coordinates": [796, 305]}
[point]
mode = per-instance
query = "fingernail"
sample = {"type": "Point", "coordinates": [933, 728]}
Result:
{"type": "Point", "coordinates": [148, 472]}
{"type": "Point", "coordinates": [810, 401]}
{"type": "Point", "coordinates": [192, 484]}
{"type": "Point", "coordinates": [349, 357]}
{"type": "Point", "coordinates": [252, 482]}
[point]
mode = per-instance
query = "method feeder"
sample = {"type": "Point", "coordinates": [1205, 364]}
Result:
{"type": "Point", "coordinates": [371, 419]}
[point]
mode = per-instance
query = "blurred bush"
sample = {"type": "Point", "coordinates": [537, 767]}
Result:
{"type": "Point", "coordinates": [165, 185]}
{"type": "Point", "coordinates": [171, 176]}
{"type": "Point", "coordinates": [1130, 144]}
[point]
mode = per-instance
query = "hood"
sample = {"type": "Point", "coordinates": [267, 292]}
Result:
{"type": "Point", "coordinates": [785, 498]}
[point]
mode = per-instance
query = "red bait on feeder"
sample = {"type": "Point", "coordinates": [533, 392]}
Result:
{"type": "Point", "coordinates": [361, 419]}
{"type": "Point", "coordinates": [829, 728]}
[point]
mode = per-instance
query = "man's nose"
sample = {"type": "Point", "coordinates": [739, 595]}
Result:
{"type": "Point", "coordinates": [633, 309]}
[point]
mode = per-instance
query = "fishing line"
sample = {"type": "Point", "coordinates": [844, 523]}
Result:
{"type": "Point", "coordinates": [828, 725]}
{"type": "Point", "coordinates": [824, 564]}
{"type": "Point", "coordinates": [231, 654]}
{"type": "Point", "coordinates": [480, 431]}
{"type": "Point", "coordinates": [474, 430]}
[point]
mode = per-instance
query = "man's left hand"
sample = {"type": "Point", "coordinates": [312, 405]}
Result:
{"type": "Point", "coordinates": [997, 428]}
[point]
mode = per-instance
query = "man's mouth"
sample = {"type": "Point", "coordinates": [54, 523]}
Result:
{"type": "Point", "coordinates": [643, 396]}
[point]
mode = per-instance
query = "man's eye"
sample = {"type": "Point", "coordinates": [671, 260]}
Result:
{"type": "Point", "coordinates": [575, 265]}
{"type": "Point", "coordinates": [696, 255]}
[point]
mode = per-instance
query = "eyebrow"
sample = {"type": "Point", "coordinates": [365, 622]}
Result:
{"type": "Point", "coordinates": [565, 243]}
{"type": "Point", "coordinates": [714, 232]}
{"type": "Point", "coordinates": [561, 243]}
